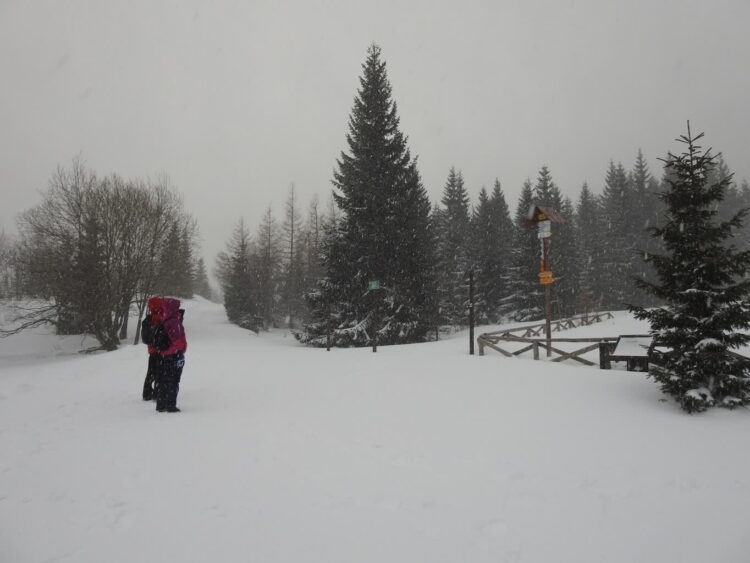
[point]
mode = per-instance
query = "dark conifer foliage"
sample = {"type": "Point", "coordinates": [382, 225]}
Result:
{"type": "Point", "coordinates": [591, 249]}
{"type": "Point", "coordinates": [383, 233]}
{"type": "Point", "coordinates": [201, 284]}
{"type": "Point", "coordinates": [526, 295]}
{"type": "Point", "coordinates": [293, 271]}
{"type": "Point", "coordinates": [453, 243]}
{"type": "Point", "coordinates": [645, 212]}
{"type": "Point", "coordinates": [617, 267]}
{"type": "Point", "coordinates": [238, 283]}
{"type": "Point", "coordinates": [266, 270]}
{"type": "Point", "coordinates": [565, 263]}
{"type": "Point", "coordinates": [702, 278]}
{"type": "Point", "coordinates": [563, 253]}
{"type": "Point", "coordinates": [177, 267]}
{"type": "Point", "coordinates": [491, 251]}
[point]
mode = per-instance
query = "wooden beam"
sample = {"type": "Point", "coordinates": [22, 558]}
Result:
{"type": "Point", "coordinates": [574, 355]}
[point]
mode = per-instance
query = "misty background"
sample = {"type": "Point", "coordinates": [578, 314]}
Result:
{"type": "Point", "coordinates": [237, 100]}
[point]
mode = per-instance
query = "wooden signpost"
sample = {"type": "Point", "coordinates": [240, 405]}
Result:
{"type": "Point", "coordinates": [542, 218]}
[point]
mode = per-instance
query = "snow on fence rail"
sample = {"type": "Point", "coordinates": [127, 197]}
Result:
{"type": "Point", "coordinates": [526, 334]}
{"type": "Point", "coordinates": [637, 350]}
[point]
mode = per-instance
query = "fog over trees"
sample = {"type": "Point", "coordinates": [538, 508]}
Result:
{"type": "Point", "coordinates": [374, 260]}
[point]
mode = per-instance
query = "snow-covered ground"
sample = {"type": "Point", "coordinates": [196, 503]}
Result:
{"type": "Point", "coordinates": [414, 454]}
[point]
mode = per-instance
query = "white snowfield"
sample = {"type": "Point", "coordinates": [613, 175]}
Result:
{"type": "Point", "coordinates": [414, 454]}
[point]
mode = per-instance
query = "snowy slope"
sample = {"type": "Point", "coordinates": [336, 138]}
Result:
{"type": "Point", "coordinates": [416, 453]}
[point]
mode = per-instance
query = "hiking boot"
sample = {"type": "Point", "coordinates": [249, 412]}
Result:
{"type": "Point", "coordinates": [172, 409]}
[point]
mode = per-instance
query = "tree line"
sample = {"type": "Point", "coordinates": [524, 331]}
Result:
{"type": "Point", "coordinates": [383, 262]}
{"type": "Point", "coordinates": [95, 249]}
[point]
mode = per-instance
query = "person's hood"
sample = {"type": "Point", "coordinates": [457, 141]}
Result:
{"type": "Point", "coordinates": [171, 306]}
{"type": "Point", "coordinates": [155, 304]}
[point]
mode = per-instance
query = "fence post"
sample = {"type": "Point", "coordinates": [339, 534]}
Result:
{"type": "Point", "coordinates": [604, 362]}
{"type": "Point", "coordinates": [536, 350]}
{"type": "Point", "coordinates": [471, 312]}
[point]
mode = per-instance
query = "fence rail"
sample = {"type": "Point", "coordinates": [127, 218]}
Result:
{"type": "Point", "coordinates": [526, 335]}
{"type": "Point", "coordinates": [532, 337]}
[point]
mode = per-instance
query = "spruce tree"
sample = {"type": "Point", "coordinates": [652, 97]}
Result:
{"type": "Point", "coordinates": [591, 249]}
{"type": "Point", "coordinates": [702, 278]}
{"type": "Point", "coordinates": [200, 281]}
{"type": "Point", "coordinates": [492, 248]}
{"type": "Point", "coordinates": [234, 270]}
{"type": "Point", "coordinates": [453, 251]}
{"type": "Point", "coordinates": [383, 234]}
{"type": "Point", "coordinates": [646, 208]}
{"type": "Point", "coordinates": [565, 263]}
{"type": "Point", "coordinates": [293, 266]}
{"type": "Point", "coordinates": [617, 266]}
{"type": "Point", "coordinates": [266, 262]}
{"type": "Point", "coordinates": [563, 252]}
{"type": "Point", "coordinates": [526, 295]}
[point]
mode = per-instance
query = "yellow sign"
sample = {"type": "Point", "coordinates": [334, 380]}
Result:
{"type": "Point", "coordinates": [545, 277]}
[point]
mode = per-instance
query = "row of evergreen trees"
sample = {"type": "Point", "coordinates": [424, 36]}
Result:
{"type": "Point", "coordinates": [380, 228]}
{"type": "Point", "coordinates": [264, 277]}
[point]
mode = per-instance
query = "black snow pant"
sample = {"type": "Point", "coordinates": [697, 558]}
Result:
{"type": "Point", "coordinates": [151, 383]}
{"type": "Point", "coordinates": [169, 381]}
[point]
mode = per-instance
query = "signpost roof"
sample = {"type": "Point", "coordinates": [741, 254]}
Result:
{"type": "Point", "coordinates": [542, 213]}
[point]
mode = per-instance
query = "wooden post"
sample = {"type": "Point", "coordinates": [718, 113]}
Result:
{"type": "Point", "coordinates": [604, 362]}
{"type": "Point", "coordinates": [329, 328]}
{"type": "Point", "coordinates": [376, 312]}
{"type": "Point", "coordinates": [471, 312]}
{"type": "Point", "coordinates": [536, 350]}
{"type": "Point", "coordinates": [547, 296]}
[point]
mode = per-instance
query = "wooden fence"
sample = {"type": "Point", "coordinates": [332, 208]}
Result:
{"type": "Point", "coordinates": [532, 337]}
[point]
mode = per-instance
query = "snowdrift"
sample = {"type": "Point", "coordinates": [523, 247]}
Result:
{"type": "Point", "coordinates": [417, 453]}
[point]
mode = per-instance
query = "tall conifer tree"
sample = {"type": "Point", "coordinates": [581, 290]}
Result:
{"type": "Point", "coordinates": [565, 263]}
{"type": "Point", "coordinates": [645, 210]}
{"type": "Point", "coordinates": [453, 250]}
{"type": "Point", "coordinates": [266, 262]}
{"type": "Point", "coordinates": [383, 234]}
{"type": "Point", "coordinates": [492, 247]}
{"type": "Point", "coordinates": [617, 219]}
{"type": "Point", "coordinates": [525, 299]}
{"type": "Point", "coordinates": [591, 250]}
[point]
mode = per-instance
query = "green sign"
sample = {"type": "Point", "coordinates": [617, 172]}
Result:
{"type": "Point", "coordinates": [373, 284]}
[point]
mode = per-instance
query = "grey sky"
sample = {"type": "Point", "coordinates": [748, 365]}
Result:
{"type": "Point", "coordinates": [237, 99]}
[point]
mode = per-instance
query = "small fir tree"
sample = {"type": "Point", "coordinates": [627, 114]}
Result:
{"type": "Point", "coordinates": [234, 270]}
{"type": "Point", "coordinates": [702, 278]}
{"type": "Point", "coordinates": [200, 281]}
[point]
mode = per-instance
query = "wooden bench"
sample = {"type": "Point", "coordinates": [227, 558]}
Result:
{"type": "Point", "coordinates": [630, 348]}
